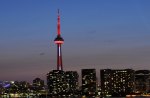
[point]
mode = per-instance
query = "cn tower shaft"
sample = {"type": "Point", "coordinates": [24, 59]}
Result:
{"type": "Point", "coordinates": [59, 57]}
{"type": "Point", "coordinates": [59, 41]}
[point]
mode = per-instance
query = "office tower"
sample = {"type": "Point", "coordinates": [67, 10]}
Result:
{"type": "Point", "coordinates": [142, 81]}
{"type": "Point", "coordinates": [59, 41]}
{"type": "Point", "coordinates": [89, 82]}
{"type": "Point", "coordinates": [117, 82]}
{"type": "Point", "coordinates": [72, 82]}
{"type": "Point", "coordinates": [56, 83]}
{"type": "Point", "coordinates": [106, 82]}
{"type": "Point", "coordinates": [38, 84]}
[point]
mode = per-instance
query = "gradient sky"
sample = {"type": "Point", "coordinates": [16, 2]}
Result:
{"type": "Point", "coordinates": [98, 34]}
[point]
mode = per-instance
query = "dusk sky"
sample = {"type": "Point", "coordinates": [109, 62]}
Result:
{"type": "Point", "coordinates": [98, 34]}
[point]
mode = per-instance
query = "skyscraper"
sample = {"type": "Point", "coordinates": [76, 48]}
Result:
{"type": "Point", "coordinates": [117, 82]}
{"type": "Point", "coordinates": [142, 81]}
{"type": "Point", "coordinates": [72, 82]}
{"type": "Point", "coordinates": [106, 82]}
{"type": "Point", "coordinates": [56, 82]}
{"type": "Point", "coordinates": [59, 41]}
{"type": "Point", "coordinates": [89, 82]}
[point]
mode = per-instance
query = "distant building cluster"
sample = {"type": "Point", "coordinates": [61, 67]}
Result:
{"type": "Point", "coordinates": [15, 89]}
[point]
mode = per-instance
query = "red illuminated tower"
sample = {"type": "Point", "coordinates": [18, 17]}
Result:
{"type": "Point", "coordinates": [59, 41]}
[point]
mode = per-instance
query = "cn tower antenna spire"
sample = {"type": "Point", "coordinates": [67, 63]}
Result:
{"type": "Point", "coordinates": [59, 41]}
{"type": "Point", "coordinates": [58, 24]}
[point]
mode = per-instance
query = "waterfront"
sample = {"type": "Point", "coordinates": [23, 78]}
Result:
{"type": "Point", "coordinates": [78, 97]}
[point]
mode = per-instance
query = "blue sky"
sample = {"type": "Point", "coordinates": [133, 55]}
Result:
{"type": "Point", "coordinates": [98, 34]}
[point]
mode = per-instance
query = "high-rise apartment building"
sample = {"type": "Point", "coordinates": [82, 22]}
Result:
{"type": "Point", "coordinates": [72, 82]}
{"type": "Point", "coordinates": [106, 82]}
{"type": "Point", "coordinates": [56, 83]}
{"type": "Point", "coordinates": [89, 82]}
{"type": "Point", "coordinates": [117, 82]}
{"type": "Point", "coordinates": [142, 81]}
{"type": "Point", "coordinates": [62, 83]}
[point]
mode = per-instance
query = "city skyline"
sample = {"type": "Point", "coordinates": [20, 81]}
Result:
{"type": "Point", "coordinates": [98, 34]}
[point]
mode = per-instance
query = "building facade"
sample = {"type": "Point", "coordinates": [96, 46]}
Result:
{"type": "Point", "coordinates": [117, 82]}
{"type": "Point", "coordinates": [56, 83]}
{"type": "Point", "coordinates": [72, 82]}
{"type": "Point", "coordinates": [142, 81]}
{"type": "Point", "coordinates": [89, 82]}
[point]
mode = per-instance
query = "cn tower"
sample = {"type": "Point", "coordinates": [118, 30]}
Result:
{"type": "Point", "coordinates": [59, 41]}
